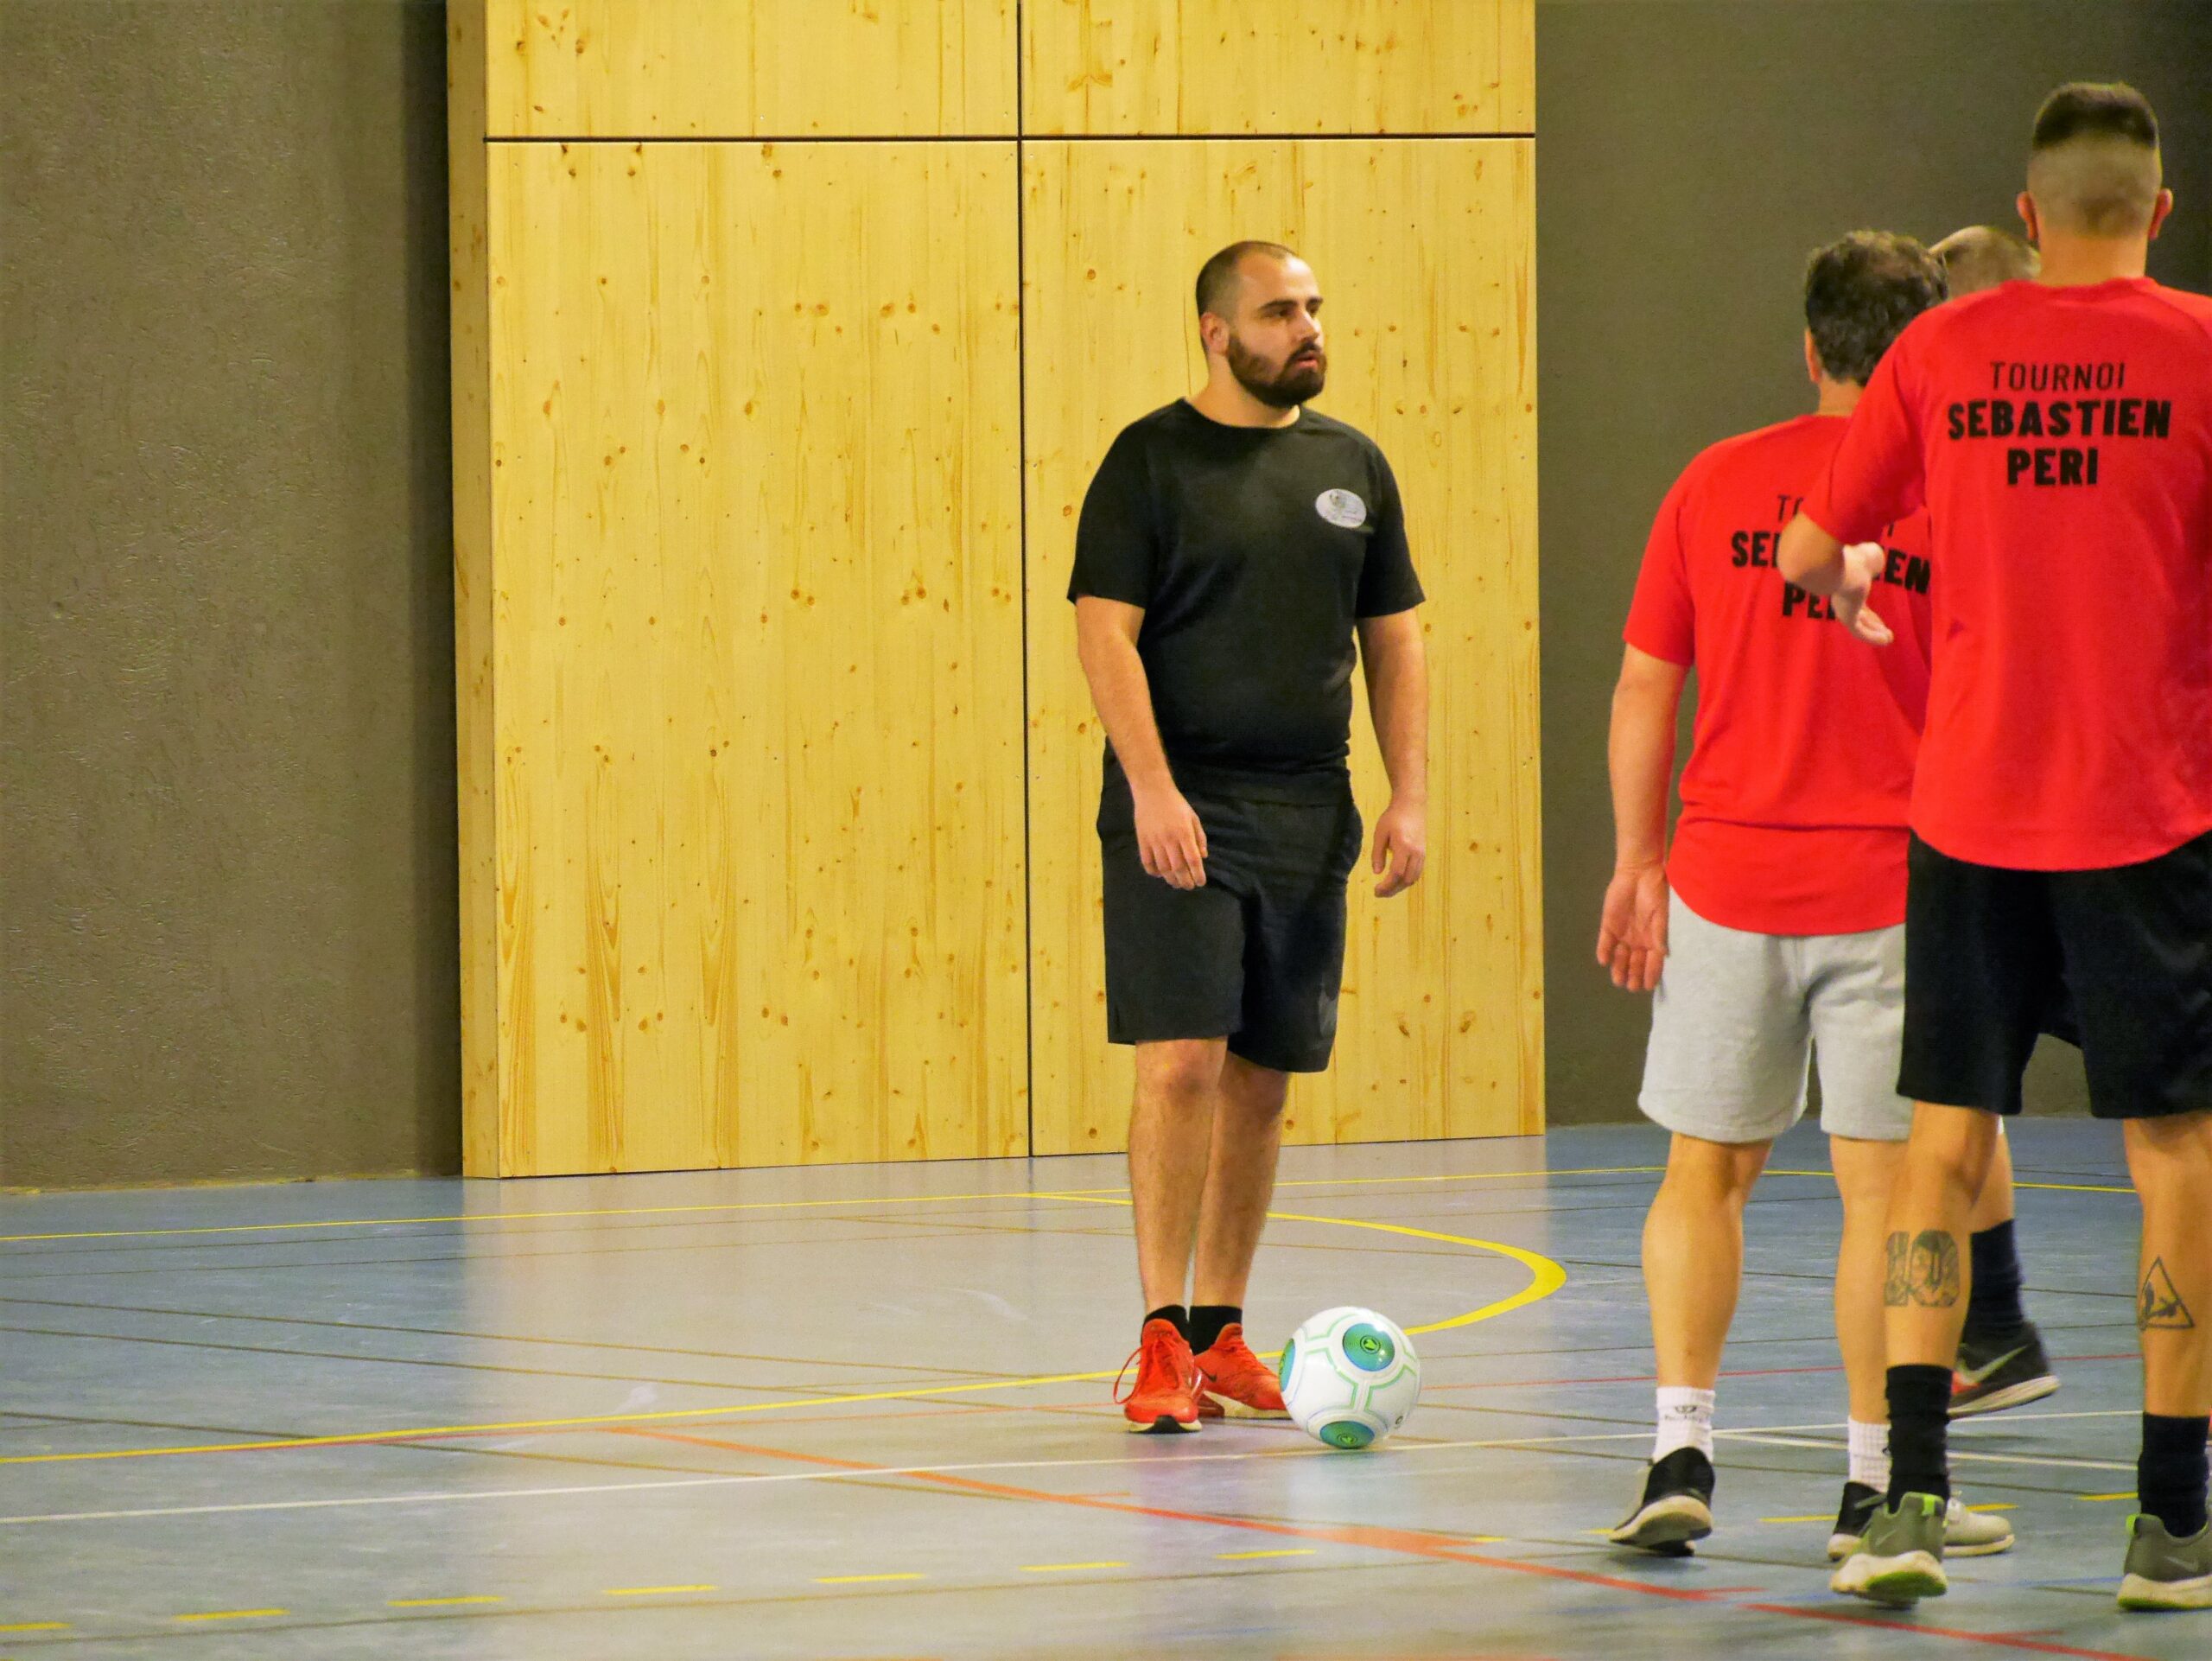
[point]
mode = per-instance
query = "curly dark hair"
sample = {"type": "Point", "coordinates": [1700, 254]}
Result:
{"type": "Point", "coordinates": [1859, 294]}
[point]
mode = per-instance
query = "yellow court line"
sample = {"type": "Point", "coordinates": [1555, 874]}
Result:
{"type": "Point", "coordinates": [38, 1627]}
{"type": "Point", "coordinates": [863, 1579]}
{"type": "Point", "coordinates": [1056, 1569]}
{"type": "Point", "coordinates": [1546, 1278]}
{"type": "Point", "coordinates": [781, 1205]}
{"type": "Point", "coordinates": [2101, 1499]}
{"type": "Point", "coordinates": [653, 1591]}
{"type": "Point", "coordinates": [1246, 1556]}
{"type": "Point", "coordinates": [436, 1603]}
{"type": "Point", "coordinates": [236, 1614]}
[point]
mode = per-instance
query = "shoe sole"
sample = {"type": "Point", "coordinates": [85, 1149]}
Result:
{"type": "Point", "coordinates": [1232, 1408]}
{"type": "Point", "coordinates": [2019, 1395]}
{"type": "Point", "coordinates": [1900, 1580]}
{"type": "Point", "coordinates": [1165, 1424]}
{"type": "Point", "coordinates": [2138, 1593]}
{"type": "Point", "coordinates": [1666, 1525]}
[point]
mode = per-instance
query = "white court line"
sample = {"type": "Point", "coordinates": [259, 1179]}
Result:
{"type": "Point", "coordinates": [872, 1473]}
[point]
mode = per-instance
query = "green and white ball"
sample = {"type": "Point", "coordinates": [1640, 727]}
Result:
{"type": "Point", "coordinates": [1350, 1376]}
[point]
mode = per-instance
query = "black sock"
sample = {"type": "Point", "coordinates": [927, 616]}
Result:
{"type": "Point", "coordinates": [1207, 1321]}
{"type": "Point", "coordinates": [1176, 1315]}
{"type": "Point", "coordinates": [1994, 1301]}
{"type": "Point", "coordinates": [1920, 1416]}
{"type": "Point", "coordinates": [2170, 1477]}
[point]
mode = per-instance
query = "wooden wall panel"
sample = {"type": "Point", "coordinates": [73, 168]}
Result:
{"type": "Point", "coordinates": [754, 413]}
{"type": "Point", "coordinates": [471, 584]}
{"type": "Point", "coordinates": [1424, 252]}
{"type": "Point", "coordinates": [1287, 66]}
{"type": "Point", "coordinates": [746, 68]}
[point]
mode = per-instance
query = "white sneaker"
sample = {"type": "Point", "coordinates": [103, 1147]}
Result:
{"type": "Point", "coordinates": [1974, 1533]}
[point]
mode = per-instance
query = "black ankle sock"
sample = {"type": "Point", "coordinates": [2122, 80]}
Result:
{"type": "Point", "coordinates": [1920, 1412]}
{"type": "Point", "coordinates": [1207, 1321]}
{"type": "Point", "coordinates": [1994, 1301]}
{"type": "Point", "coordinates": [1176, 1315]}
{"type": "Point", "coordinates": [2170, 1477]}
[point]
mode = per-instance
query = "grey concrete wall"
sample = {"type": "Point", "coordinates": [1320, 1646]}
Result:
{"type": "Point", "coordinates": [1692, 152]}
{"type": "Point", "coordinates": [227, 853]}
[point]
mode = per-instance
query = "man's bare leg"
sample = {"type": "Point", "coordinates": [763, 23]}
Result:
{"type": "Point", "coordinates": [1926, 1271]}
{"type": "Point", "coordinates": [1240, 1180]}
{"type": "Point", "coordinates": [2170, 1161]}
{"type": "Point", "coordinates": [1170, 1132]}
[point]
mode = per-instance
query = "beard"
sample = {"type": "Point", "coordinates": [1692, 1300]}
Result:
{"type": "Point", "coordinates": [1279, 387]}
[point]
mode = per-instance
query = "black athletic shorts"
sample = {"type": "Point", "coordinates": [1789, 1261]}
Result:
{"type": "Point", "coordinates": [2119, 961]}
{"type": "Point", "coordinates": [1258, 955]}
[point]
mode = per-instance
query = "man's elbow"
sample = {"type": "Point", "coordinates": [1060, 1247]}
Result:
{"type": "Point", "coordinates": [1805, 550]}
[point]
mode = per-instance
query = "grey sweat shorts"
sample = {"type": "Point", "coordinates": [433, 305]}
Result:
{"type": "Point", "coordinates": [1738, 1018]}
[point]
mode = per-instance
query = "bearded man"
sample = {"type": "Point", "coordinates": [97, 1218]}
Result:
{"type": "Point", "coordinates": [1233, 548]}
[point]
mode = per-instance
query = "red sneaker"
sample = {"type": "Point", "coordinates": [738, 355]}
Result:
{"type": "Point", "coordinates": [1166, 1395]}
{"type": "Point", "coordinates": [1233, 1383]}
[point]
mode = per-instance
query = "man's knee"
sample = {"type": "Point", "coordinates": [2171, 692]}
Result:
{"type": "Point", "coordinates": [1959, 1143]}
{"type": "Point", "coordinates": [1180, 1069]}
{"type": "Point", "coordinates": [1715, 1170]}
{"type": "Point", "coordinates": [1256, 1091]}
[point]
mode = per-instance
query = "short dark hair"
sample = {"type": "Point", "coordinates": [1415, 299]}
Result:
{"type": "Point", "coordinates": [2095, 109]}
{"type": "Point", "coordinates": [1217, 277]}
{"type": "Point", "coordinates": [1860, 293]}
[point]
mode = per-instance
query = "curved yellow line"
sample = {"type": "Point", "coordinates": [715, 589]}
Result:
{"type": "Point", "coordinates": [1546, 1278]}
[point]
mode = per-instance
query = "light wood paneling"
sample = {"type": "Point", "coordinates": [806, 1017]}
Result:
{"type": "Point", "coordinates": [1197, 66]}
{"type": "Point", "coordinates": [757, 654]}
{"type": "Point", "coordinates": [745, 68]}
{"type": "Point", "coordinates": [472, 588]}
{"type": "Point", "coordinates": [1424, 252]}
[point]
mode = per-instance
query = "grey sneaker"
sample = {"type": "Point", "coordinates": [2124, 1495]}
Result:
{"type": "Point", "coordinates": [1900, 1557]}
{"type": "Point", "coordinates": [2164, 1573]}
{"type": "Point", "coordinates": [1966, 1533]}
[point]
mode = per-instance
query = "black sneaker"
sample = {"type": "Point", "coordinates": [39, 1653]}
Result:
{"type": "Point", "coordinates": [1676, 1507]}
{"type": "Point", "coordinates": [1993, 1374]}
{"type": "Point", "coordinates": [1859, 1504]}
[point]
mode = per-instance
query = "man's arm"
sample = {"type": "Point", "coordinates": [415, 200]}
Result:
{"type": "Point", "coordinates": [1819, 563]}
{"type": "Point", "coordinates": [1170, 840]}
{"type": "Point", "coordinates": [1396, 663]}
{"type": "Point", "coordinates": [1640, 750]}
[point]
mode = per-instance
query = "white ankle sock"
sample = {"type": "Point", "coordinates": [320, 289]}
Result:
{"type": "Point", "coordinates": [1685, 1421]}
{"type": "Point", "coordinates": [1870, 1454]}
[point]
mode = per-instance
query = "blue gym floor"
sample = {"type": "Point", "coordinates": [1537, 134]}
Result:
{"type": "Point", "coordinates": [864, 1412]}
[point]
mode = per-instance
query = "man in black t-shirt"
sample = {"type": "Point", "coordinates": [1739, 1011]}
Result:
{"type": "Point", "coordinates": [1230, 547]}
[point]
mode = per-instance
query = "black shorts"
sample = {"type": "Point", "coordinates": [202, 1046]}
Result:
{"type": "Point", "coordinates": [2119, 961]}
{"type": "Point", "coordinates": [1258, 955]}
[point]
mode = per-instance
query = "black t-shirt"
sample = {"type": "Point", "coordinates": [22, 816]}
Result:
{"type": "Point", "coordinates": [1253, 551]}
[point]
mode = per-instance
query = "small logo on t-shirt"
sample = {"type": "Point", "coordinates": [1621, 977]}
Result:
{"type": "Point", "coordinates": [1341, 507]}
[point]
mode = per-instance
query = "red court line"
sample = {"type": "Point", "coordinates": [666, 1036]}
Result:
{"type": "Point", "coordinates": [1412, 1542]}
{"type": "Point", "coordinates": [1742, 1372]}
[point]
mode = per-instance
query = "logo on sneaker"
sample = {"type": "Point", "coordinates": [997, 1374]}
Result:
{"type": "Point", "coordinates": [1976, 1375]}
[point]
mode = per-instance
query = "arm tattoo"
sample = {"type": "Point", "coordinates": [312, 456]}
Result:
{"type": "Point", "coordinates": [1895, 1291]}
{"type": "Point", "coordinates": [2158, 1305]}
{"type": "Point", "coordinates": [1923, 1268]}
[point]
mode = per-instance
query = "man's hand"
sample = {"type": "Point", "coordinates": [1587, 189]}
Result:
{"type": "Point", "coordinates": [1401, 847]}
{"type": "Point", "coordinates": [1862, 565]}
{"type": "Point", "coordinates": [1170, 840]}
{"type": "Point", "coordinates": [1632, 932]}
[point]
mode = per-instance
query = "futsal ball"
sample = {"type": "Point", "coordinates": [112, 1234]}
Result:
{"type": "Point", "coordinates": [1350, 1376]}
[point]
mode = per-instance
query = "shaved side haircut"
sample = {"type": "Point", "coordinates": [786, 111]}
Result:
{"type": "Point", "coordinates": [2092, 161]}
{"type": "Point", "coordinates": [1218, 276]}
{"type": "Point", "coordinates": [1982, 255]}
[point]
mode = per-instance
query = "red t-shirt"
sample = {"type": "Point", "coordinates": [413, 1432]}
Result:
{"type": "Point", "coordinates": [1795, 798]}
{"type": "Point", "coordinates": [2060, 439]}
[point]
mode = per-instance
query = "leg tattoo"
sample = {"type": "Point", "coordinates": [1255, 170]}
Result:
{"type": "Point", "coordinates": [2158, 1305]}
{"type": "Point", "coordinates": [1924, 1270]}
{"type": "Point", "coordinates": [1896, 1292]}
